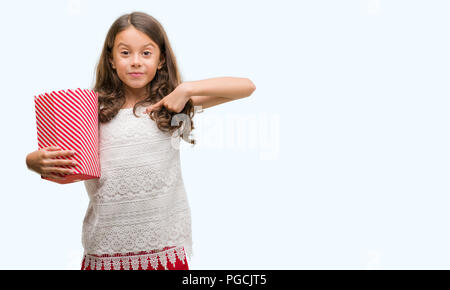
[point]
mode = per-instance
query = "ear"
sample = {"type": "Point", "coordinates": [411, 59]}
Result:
{"type": "Point", "coordinates": [161, 63]}
{"type": "Point", "coordinates": [112, 64]}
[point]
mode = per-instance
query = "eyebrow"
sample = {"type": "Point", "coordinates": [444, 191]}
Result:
{"type": "Point", "coordinates": [148, 44]}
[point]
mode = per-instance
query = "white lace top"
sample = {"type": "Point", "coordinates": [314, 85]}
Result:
{"type": "Point", "coordinates": [139, 203]}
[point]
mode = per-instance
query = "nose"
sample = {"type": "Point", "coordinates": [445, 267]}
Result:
{"type": "Point", "coordinates": [136, 61]}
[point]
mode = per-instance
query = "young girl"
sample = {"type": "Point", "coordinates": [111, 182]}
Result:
{"type": "Point", "coordinates": [138, 215]}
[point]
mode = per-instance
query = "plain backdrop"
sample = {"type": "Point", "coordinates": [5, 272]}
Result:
{"type": "Point", "coordinates": [339, 159]}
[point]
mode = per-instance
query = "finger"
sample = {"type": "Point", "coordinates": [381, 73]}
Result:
{"type": "Point", "coordinates": [156, 105]}
{"type": "Point", "coordinates": [53, 154]}
{"type": "Point", "coordinates": [54, 170]}
{"type": "Point", "coordinates": [52, 148]}
{"type": "Point", "coordinates": [150, 108]}
{"type": "Point", "coordinates": [62, 162]}
{"type": "Point", "coordinates": [156, 108]}
{"type": "Point", "coordinates": [53, 176]}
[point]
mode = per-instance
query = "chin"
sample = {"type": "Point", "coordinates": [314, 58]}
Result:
{"type": "Point", "coordinates": [137, 86]}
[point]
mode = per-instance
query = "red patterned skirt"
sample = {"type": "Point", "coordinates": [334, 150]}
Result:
{"type": "Point", "coordinates": [169, 258]}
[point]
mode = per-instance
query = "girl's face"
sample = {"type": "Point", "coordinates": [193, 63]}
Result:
{"type": "Point", "coordinates": [135, 52]}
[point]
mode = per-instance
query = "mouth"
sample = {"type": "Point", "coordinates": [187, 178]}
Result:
{"type": "Point", "coordinates": [136, 75]}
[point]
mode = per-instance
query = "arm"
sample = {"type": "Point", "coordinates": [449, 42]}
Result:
{"type": "Point", "coordinates": [211, 92]}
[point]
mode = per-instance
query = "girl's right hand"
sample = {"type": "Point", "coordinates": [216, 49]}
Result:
{"type": "Point", "coordinates": [43, 162]}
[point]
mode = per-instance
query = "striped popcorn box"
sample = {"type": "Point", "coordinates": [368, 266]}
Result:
{"type": "Point", "coordinates": [69, 119]}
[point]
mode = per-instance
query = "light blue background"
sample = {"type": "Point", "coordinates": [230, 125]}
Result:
{"type": "Point", "coordinates": [342, 157]}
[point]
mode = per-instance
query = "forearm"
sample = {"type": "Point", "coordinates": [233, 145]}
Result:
{"type": "Point", "coordinates": [224, 87]}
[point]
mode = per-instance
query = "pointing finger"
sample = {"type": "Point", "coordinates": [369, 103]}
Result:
{"type": "Point", "coordinates": [153, 107]}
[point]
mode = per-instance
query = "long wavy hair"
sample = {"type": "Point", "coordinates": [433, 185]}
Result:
{"type": "Point", "coordinates": [110, 89]}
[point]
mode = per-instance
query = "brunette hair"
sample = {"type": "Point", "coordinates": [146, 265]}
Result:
{"type": "Point", "coordinates": [111, 95]}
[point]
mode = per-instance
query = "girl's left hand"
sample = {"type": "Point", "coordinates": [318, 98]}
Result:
{"type": "Point", "coordinates": [174, 102]}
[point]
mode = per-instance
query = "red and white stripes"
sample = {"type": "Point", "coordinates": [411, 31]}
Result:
{"type": "Point", "coordinates": [69, 120]}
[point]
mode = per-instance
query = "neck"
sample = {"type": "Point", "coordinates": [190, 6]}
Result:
{"type": "Point", "coordinates": [133, 95]}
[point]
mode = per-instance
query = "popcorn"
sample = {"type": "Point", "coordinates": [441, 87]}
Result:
{"type": "Point", "coordinates": [69, 119]}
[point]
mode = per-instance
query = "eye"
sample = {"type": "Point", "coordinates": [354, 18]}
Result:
{"type": "Point", "coordinates": [124, 51]}
{"type": "Point", "coordinates": [149, 52]}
